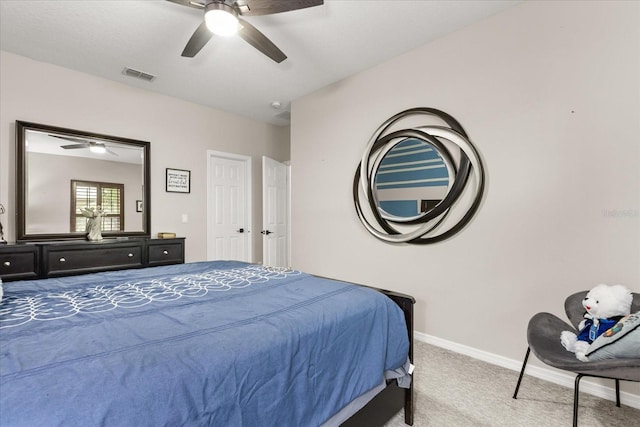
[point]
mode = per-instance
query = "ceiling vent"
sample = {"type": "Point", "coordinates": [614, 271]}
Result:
{"type": "Point", "coordinates": [138, 74]}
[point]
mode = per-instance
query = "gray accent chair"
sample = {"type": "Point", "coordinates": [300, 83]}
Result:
{"type": "Point", "coordinates": [543, 336]}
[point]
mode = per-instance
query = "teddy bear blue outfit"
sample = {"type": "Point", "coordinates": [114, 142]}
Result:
{"type": "Point", "coordinates": [605, 305]}
{"type": "Point", "coordinates": [593, 329]}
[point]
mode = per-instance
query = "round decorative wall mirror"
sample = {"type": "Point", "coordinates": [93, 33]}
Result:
{"type": "Point", "coordinates": [420, 184]}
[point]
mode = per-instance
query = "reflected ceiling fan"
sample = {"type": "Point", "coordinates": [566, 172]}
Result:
{"type": "Point", "coordinates": [221, 17]}
{"type": "Point", "coordinates": [94, 147]}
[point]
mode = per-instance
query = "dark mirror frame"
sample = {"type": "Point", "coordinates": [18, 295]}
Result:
{"type": "Point", "coordinates": [21, 174]}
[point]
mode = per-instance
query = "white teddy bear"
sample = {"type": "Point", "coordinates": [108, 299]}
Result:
{"type": "Point", "coordinates": [605, 306]}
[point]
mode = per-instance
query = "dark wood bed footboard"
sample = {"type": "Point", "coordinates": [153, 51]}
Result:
{"type": "Point", "coordinates": [392, 399]}
{"type": "Point", "coordinates": [405, 302]}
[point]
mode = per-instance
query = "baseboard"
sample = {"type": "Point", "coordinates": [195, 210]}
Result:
{"type": "Point", "coordinates": [548, 374]}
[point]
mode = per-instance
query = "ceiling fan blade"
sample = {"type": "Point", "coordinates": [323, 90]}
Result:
{"type": "Point", "coordinates": [258, 40]}
{"type": "Point", "coordinates": [268, 7]}
{"type": "Point", "coordinates": [70, 138]}
{"type": "Point", "coordinates": [81, 145]}
{"type": "Point", "coordinates": [197, 41]}
{"type": "Point", "coordinates": [189, 3]}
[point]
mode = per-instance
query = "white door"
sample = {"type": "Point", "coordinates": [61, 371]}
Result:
{"type": "Point", "coordinates": [228, 206]}
{"type": "Point", "coordinates": [275, 213]}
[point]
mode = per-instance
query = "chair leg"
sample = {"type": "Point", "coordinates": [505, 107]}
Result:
{"type": "Point", "coordinates": [576, 393]}
{"type": "Point", "coordinates": [617, 392]}
{"type": "Point", "coordinates": [524, 365]}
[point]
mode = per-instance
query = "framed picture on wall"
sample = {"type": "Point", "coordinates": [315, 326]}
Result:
{"type": "Point", "coordinates": [138, 205]}
{"type": "Point", "coordinates": [178, 181]}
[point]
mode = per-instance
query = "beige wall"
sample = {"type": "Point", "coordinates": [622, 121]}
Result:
{"type": "Point", "coordinates": [180, 133]}
{"type": "Point", "coordinates": [549, 92]}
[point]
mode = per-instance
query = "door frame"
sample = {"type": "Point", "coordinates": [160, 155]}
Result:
{"type": "Point", "coordinates": [248, 197]}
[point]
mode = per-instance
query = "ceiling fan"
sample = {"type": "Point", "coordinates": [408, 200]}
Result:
{"type": "Point", "coordinates": [221, 18]}
{"type": "Point", "coordinates": [93, 146]}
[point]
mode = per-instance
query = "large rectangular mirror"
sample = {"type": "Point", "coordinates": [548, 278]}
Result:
{"type": "Point", "coordinates": [61, 171]}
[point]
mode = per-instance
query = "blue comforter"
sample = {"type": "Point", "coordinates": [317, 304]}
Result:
{"type": "Point", "coordinates": [204, 344]}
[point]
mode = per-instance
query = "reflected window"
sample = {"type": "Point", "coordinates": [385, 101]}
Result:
{"type": "Point", "coordinates": [88, 194]}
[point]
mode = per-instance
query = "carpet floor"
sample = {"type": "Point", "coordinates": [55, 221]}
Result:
{"type": "Point", "coordinates": [454, 390]}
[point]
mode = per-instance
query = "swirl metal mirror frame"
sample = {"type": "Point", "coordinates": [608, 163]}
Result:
{"type": "Point", "coordinates": [429, 225]}
{"type": "Point", "coordinates": [23, 232]}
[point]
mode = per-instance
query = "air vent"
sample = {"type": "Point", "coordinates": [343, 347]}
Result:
{"type": "Point", "coordinates": [138, 74]}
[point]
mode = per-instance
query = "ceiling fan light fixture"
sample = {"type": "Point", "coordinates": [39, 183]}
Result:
{"type": "Point", "coordinates": [98, 148]}
{"type": "Point", "coordinates": [221, 19]}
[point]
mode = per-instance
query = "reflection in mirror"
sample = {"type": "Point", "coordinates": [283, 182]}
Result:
{"type": "Point", "coordinates": [411, 179]}
{"type": "Point", "coordinates": [63, 171]}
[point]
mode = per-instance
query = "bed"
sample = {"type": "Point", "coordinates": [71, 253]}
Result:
{"type": "Point", "coordinates": [218, 343]}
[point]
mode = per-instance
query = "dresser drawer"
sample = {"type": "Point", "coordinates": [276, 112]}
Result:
{"type": "Point", "coordinates": [169, 252]}
{"type": "Point", "coordinates": [19, 263]}
{"type": "Point", "coordinates": [62, 261]}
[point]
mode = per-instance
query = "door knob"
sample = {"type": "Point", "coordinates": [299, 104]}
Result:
{"type": "Point", "coordinates": [241, 230]}
{"type": "Point", "coordinates": [266, 232]}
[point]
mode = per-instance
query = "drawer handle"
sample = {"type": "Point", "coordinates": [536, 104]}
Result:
{"type": "Point", "coordinates": [130, 255]}
{"type": "Point", "coordinates": [7, 263]}
{"type": "Point", "coordinates": [165, 252]}
{"type": "Point", "coordinates": [62, 259]}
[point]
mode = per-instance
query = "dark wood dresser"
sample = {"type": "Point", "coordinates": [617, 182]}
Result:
{"type": "Point", "coordinates": [64, 258]}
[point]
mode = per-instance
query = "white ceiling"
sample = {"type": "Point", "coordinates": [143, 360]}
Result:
{"type": "Point", "coordinates": [324, 44]}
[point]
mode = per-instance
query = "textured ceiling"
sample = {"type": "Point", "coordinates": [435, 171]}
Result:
{"type": "Point", "coordinates": [324, 44]}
